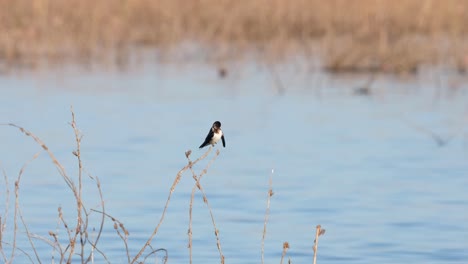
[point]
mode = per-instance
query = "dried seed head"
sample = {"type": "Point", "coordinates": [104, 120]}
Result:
{"type": "Point", "coordinates": [286, 245]}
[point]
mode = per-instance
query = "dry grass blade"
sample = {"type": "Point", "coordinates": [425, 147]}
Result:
{"type": "Point", "coordinates": [267, 213]}
{"type": "Point", "coordinates": [3, 223]}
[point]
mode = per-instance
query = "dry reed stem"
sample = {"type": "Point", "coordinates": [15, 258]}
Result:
{"type": "Point", "coordinates": [318, 232]}
{"type": "Point", "coordinates": [267, 212]}
{"type": "Point", "coordinates": [205, 200]}
{"type": "Point", "coordinates": [77, 153]}
{"type": "Point", "coordinates": [5, 214]}
{"type": "Point", "coordinates": [174, 184]}
{"type": "Point", "coordinates": [285, 249]}
{"type": "Point", "coordinates": [190, 224]}
{"type": "Point", "coordinates": [101, 227]}
{"type": "Point", "coordinates": [65, 226]}
{"type": "Point", "coordinates": [17, 183]}
{"type": "Point", "coordinates": [17, 212]}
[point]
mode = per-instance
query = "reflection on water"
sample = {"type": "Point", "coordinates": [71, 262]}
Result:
{"type": "Point", "coordinates": [367, 168]}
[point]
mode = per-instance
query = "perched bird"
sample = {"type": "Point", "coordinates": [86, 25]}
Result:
{"type": "Point", "coordinates": [214, 135]}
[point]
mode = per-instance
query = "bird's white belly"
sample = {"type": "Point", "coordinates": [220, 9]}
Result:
{"type": "Point", "coordinates": [216, 137]}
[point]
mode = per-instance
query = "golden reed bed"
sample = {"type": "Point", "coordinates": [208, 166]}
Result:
{"type": "Point", "coordinates": [348, 35]}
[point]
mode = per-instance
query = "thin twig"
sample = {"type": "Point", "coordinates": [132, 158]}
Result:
{"type": "Point", "coordinates": [79, 222]}
{"type": "Point", "coordinates": [3, 223]}
{"type": "Point", "coordinates": [17, 208]}
{"type": "Point", "coordinates": [318, 232]}
{"type": "Point", "coordinates": [205, 199]}
{"type": "Point", "coordinates": [101, 227]}
{"type": "Point", "coordinates": [22, 251]}
{"type": "Point", "coordinates": [117, 225]}
{"type": "Point", "coordinates": [267, 213]}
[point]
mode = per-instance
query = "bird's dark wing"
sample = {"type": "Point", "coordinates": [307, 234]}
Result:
{"type": "Point", "coordinates": [224, 142]}
{"type": "Point", "coordinates": [207, 139]}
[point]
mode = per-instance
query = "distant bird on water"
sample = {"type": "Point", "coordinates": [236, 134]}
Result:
{"type": "Point", "coordinates": [214, 135]}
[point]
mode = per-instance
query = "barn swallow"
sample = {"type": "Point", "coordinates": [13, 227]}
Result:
{"type": "Point", "coordinates": [214, 135]}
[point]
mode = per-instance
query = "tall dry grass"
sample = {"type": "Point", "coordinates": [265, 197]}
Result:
{"type": "Point", "coordinates": [77, 241]}
{"type": "Point", "coordinates": [349, 35]}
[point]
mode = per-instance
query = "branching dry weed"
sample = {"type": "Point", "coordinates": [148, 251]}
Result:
{"type": "Point", "coordinates": [81, 241]}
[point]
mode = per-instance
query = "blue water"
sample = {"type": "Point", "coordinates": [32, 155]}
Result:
{"type": "Point", "coordinates": [366, 168]}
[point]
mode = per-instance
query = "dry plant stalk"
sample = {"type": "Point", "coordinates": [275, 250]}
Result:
{"type": "Point", "coordinates": [5, 214]}
{"type": "Point", "coordinates": [205, 200]}
{"type": "Point", "coordinates": [80, 228]}
{"type": "Point", "coordinates": [79, 222]}
{"type": "Point", "coordinates": [267, 212]}
{"type": "Point", "coordinates": [318, 232]}
{"type": "Point", "coordinates": [285, 249]}
{"type": "Point", "coordinates": [174, 184]}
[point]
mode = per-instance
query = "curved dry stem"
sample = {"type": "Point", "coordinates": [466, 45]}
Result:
{"type": "Point", "coordinates": [154, 251]}
{"type": "Point", "coordinates": [22, 251]}
{"type": "Point", "coordinates": [17, 209]}
{"type": "Point", "coordinates": [101, 227]}
{"type": "Point", "coordinates": [205, 199]}
{"type": "Point", "coordinates": [174, 184]}
{"type": "Point", "coordinates": [117, 225]}
{"type": "Point", "coordinates": [57, 164]}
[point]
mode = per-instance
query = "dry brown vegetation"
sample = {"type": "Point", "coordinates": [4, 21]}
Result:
{"type": "Point", "coordinates": [348, 35]}
{"type": "Point", "coordinates": [77, 241]}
